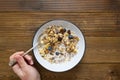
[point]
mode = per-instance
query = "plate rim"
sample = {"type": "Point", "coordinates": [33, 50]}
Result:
{"type": "Point", "coordinates": [65, 21]}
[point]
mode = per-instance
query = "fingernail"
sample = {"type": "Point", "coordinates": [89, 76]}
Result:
{"type": "Point", "coordinates": [31, 63]}
{"type": "Point", "coordinates": [22, 51]}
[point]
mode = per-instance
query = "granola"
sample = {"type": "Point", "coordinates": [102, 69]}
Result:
{"type": "Point", "coordinates": [58, 44]}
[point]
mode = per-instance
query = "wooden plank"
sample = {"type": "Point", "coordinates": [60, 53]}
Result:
{"type": "Point", "coordinates": [64, 5]}
{"type": "Point", "coordinates": [98, 49]}
{"type": "Point", "coordinates": [102, 33]}
{"type": "Point", "coordinates": [92, 24]}
{"type": "Point", "coordinates": [102, 50]}
{"type": "Point", "coordinates": [80, 72]}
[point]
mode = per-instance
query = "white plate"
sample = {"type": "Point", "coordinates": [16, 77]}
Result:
{"type": "Point", "coordinates": [62, 66]}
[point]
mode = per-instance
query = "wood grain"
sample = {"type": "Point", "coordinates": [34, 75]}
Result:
{"type": "Point", "coordinates": [80, 72]}
{"type": "Point", "coordinates": [99, 20]}
{"type": "Point", "coordinates": [60, 5]}
{"type": "Point", "coordinates": [92, 24]}
{"type": "Point", "coordinates": [102, 34]}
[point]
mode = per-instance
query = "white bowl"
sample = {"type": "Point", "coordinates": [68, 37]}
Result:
{"type": "Point", "coordinates": [65, 65]}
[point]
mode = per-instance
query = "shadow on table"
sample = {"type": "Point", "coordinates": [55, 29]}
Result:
{"type": "Point", "coordinates": [115, 4]}
{"type": "Point", "coordinates": [48, 75]}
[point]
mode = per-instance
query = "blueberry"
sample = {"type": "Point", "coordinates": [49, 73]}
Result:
{"type": "Point", "coordinates": [49, 48]}
{"type": "Point", "coordinates": [70, 36]}
{"type": "Point", "coordinates": [64, 30]}
{"type": "Point", "coordinates": [57, 53]}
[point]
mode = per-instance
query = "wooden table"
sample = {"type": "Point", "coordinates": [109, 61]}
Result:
{"type": "Point", "coordinates": [99, 20]}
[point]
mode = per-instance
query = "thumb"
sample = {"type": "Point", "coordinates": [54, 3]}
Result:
{"type": "Point", "coordinates": [20, 61]}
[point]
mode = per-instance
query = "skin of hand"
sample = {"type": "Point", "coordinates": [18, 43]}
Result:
{"type": "Point", "coordinates": [24, 69]}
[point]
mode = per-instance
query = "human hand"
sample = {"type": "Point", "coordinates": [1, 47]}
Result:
{"type": "Point", "coordinates": [24, 70]}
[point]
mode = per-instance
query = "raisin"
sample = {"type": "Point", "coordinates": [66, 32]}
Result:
{"type": "Point", "coordinates": [51, 53]}
{"type": "Point", "coordinates": [61, 53]}
{"type": "Point", "coordinates": [59, 39]}
{"type": "Point", "coordinates": [69, 32]}
{"type": "Point", "coordinates": [63, 31]}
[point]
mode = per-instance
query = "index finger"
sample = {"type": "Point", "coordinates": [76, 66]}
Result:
{"type": "Point", "coordinates": [16, 53]}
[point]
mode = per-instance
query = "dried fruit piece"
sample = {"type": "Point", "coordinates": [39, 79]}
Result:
{"type": "Point", "coordinates": [69, 32]}
{"type": "Point", "coordinates": [63, 30]}
{"type": "Point", "coordinates": [59, 39]}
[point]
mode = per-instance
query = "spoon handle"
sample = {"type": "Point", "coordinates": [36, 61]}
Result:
{"type": "Point", "coordinates": [13, 62]}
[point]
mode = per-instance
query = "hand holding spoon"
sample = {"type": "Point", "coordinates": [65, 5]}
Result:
{"type": "Point", "coordinates": [13, 62]}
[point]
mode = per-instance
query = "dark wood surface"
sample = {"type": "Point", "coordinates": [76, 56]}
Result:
{"type": "Point", "coordinates": [99, 20]}
{"type": "Point", "coordinates": [60, 5]}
